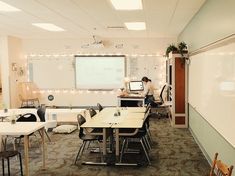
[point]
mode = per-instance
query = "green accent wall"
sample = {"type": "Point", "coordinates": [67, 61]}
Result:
{"type": "Point", "coordinates": [214, 21]}
{"type": "Point", "coordinates": [210, 140]}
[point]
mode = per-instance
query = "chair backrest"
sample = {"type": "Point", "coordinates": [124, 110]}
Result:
{"type": "Point", "coordinates": [100, 108]}
{"type": "Point", "coordinates": [28, 117]}
{"type": "Point", "coordinates": [146, 117]}
{"type": "Point", "coordinates": [219, 168]}
{"type": "Point", "coordinates": [92, 112]}
{"type": "Point", "coordinates": [147, 108]}
{"type": "Point", "coordinates": [161, 94]}
{"type": "Point", "coordinates": [41, 114]}
{"type": "Point", "coordinates": [81, 120]}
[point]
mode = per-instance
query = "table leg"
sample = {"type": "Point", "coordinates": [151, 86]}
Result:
{"type": "Point", "coordinates": [1, 144]}
{"type": "Point", "coordinates": [43, 149]}
{"type": "Point", "coordinates": [104, 141]}
{"type": "Point", "coordinates": [117, 143]}
{"type": "Point", "coordinates": [26, 154]}
{"type": "Point", "coordinates": [143, 103]}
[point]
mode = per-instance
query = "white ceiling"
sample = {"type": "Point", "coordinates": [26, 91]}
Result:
{"type": "Point", "coordinates": [84, 18]}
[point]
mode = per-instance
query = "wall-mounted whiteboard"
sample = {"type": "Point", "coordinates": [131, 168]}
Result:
{"type": "Point", "coordinates": [100, 72]}
{"type": "Point", "coordinates": [154, 67]}
{"type": "Point", "coordinates": [58, 71]}
{"type": "Point", "coordinates": [52, 73]}
{"type": "Point", "coordinates": [212, 88]}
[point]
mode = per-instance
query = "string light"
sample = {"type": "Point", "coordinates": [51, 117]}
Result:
{"type": "Point", "coordinates": [71, 56]}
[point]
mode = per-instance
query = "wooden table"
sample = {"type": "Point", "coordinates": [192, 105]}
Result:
{"type": "Point", "coordinates": [25, 129]}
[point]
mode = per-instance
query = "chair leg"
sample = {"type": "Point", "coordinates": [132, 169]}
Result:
{"type": "Point", "coordinates": [145, 151]}
{"type": "Point", "coordinates": [80, 151]}
{"type": "Point", "coordinates": [146, 141]}
{"type": "Point", "coordinates": [88, 146]}
{"type": "Point", "coordinates": [125, 141]}
{"type": "Point", "coordinates": [8, 166]}
{"type": "Point", "coordinates": [150, 136]}
{"type": "Point", "coordinates": [100, 148]}
{"type": "Point", "coordinates": [48, 137]}
{"type": "Point", "coordinates": [85, 142]}
{"type": "Point", "coordinates": [21, 168]}
{"type": "Point", "coordinates": [3, 167]}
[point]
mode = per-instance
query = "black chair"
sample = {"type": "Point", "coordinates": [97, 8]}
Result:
{"type": "Point", "coordinates": [41, 114]}
{"type": "Point", "coordinates": [92, 112]}
{"type": "Point", "coordinates": [85, 138]}
{"type": "Point", "coordinates": [28, 117]}
{"type": "Point", "coordinates": [140, 136]}
{"type": "Point", "coordinates": [162, 109]}
{"type": "Point", "coordinates": [6, 155]}
{"type": "Point", "coordinates": [100, 108]}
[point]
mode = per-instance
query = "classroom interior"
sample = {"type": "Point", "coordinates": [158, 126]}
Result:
{"type": "Point", "coordinates": [91, 53]}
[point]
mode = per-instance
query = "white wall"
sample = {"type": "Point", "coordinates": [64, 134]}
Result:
{"type": "Point", "coordinates": [130, 46]}
{"type": "Point", "coordinates": [213, 22]}
{"type": "Point", "coordinates": [15, 56]}
{"type": "Point", "coordinates": [146, 65]}
{"type": "Point", "coordinates": [5, 71]}
{"type": "Point", "coordinates": [11, 52]}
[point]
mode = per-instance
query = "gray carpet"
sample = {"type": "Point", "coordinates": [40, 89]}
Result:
{"type": "Point", "coordinates": [174, 153]}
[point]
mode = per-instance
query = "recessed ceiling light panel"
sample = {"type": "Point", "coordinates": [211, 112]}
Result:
{"type": "Point", "coordinates": [138, 26]}
{"type": "Point", "coordinates": [48, 27]}
{"type": "Point", "coordinates": [4, 7]}
{"type": "Point", "coordinates": [127, 4]}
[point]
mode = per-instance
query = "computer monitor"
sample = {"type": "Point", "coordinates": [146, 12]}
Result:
{"type": "Point", "coordinates": [136, 86]}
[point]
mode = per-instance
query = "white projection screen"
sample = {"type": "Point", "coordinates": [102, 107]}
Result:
{"type": "Point", "coordinates": [99, 72]}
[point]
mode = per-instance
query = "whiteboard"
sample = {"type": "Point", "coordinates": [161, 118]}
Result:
{"type": "Point", "coordinates": [212, 88]}
{"type": "Point", "coordinates": [58, 71]}
{"type": "Point", "coordinates": [52, 73]}
{"type": "Point", "coordinates": [100, 72]}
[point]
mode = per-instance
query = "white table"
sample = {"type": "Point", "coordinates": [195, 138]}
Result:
{"type": "Point", "coordinates": [136, 98]}
{"type": "Point", "coordinates": [129, 118]}
{"type": "Point", "coordinates": [25, 129]}
{"type": "Point", "coordinates": [11, 112]}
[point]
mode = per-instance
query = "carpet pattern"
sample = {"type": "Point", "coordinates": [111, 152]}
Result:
{"type": "Point", "coordinates": [174, 153]}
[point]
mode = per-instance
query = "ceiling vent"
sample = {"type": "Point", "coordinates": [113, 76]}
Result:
{"type": "Point", "coordinates": [116, 27]}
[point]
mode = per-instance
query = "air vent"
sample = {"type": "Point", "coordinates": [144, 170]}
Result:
{"type": "Point", "coordinates": [116, 27]}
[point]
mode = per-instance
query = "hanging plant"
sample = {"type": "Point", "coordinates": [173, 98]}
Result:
{"type": "Point", "coordinates": [181, 48]}
{"type": "Point", "coordinates": [171, 48]}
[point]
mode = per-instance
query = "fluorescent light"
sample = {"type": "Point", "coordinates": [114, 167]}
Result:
{"type": "Point", "coordinates": [127, 4]}
{"type": "Point", "coordinates": [136, 26]}
{"type": "Point", "coordinates": [4, 7]}
{"type": "Point", "coordinates": [48, 27]}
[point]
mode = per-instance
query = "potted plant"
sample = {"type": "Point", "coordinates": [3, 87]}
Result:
{"type": "Point", "coordinates": [181, 48]}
